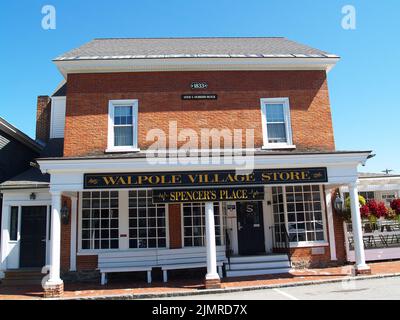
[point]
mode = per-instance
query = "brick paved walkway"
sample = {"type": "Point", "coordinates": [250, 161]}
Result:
{"type": "Point", "coordinates": [120, 287]}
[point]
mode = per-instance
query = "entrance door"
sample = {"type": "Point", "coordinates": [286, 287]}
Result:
{"type": "Point", "coordinates": [250, 227]}
{"type": "Point", "coordinates": [33, 237]}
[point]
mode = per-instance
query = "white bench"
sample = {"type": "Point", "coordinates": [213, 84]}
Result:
{"type": "Point", "coordinates": [127, 261]}
{"type": "Point", "coordinates": [147, 259]}
{"type": "Point", "coordinates": [187, 258]}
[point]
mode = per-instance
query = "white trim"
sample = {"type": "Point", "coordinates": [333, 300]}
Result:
{"type": "Point", "coordinates": [133, 103]}
{"type": "Point", "coordinates": [307, 244]}
{"type": "Point", "coordinates": [194, 64]}
{"type": "Point", "coordinates": [80, 165]}
{"type": "Point", "coordinates": [5, 238]}
{"type": "Point", "coordinates": [331, 227]}
{"type": "Point", "coordinates": [74, 214]}
{"type": "Point", "coordinates": [288, 126]}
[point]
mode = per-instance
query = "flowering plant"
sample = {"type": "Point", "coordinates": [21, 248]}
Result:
{"type": "Point", "coordinates": [377, 209]}
{"type": "Point", "coordinates": [395, 205]}
{"type": "Point", "coordinates": [364, 210]}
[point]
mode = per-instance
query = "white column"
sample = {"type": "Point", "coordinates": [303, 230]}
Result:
{"type": "Point", "coordinates": [357, 228]}
{"type": "Point", "coordinates": [5, 237]}
{"type": "Point", "coordinates": [74, 214]}
{"type": "Point", "coordinates": [55, 239]}
{"type": "Point", "coordinates": [331, 227]}
{"type": "Point", "coordinates": [212, 273]}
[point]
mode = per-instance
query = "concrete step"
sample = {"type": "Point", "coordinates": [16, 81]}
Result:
{"type": "Point", "coordinates": [264, 258]}
{"type": "Point", "coordinates": [241, 273]}
{"type": "Point", "coordinates": [19, 282]}
{"type": "Point", "coordinates": [259, 265]}
{"type": "Point", "coordinates": [22, 277]}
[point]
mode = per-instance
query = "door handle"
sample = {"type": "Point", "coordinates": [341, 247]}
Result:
{"type": "Point", "coordinates": [43, 240]}
{"type": "Point", "coordinates": [239, 226]}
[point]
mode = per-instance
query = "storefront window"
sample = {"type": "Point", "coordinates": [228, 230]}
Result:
{"type": "Point", "coordinates": [147, 221]}
{"type": "Point", "coordinates": [100, 220]}
{"type": "Point", "coordinates": [194, 224]}
{"type": "Point", "coordinates": [302, 207]}
{"type": "Point", "coordinates": [304, 212]}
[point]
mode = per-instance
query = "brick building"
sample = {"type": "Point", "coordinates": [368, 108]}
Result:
{"type": "Point", "coordinates": [190, 153]}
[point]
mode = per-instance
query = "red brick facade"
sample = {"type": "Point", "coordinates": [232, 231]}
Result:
{"type": "Point", "coordinates": [43, 118]}
{"type": "Point", "coordinates": [159, 96]}
{"type": "Point", "coordinates": [237, 107]}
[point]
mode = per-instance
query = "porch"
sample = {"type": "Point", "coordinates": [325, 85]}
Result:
{"type": "Point", "coordinates": [293, 211]}
{"type": "Point", "coordinates": [133, 289]}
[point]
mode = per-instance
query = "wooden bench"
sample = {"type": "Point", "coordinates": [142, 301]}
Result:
{"type": "Point", "coordinates": [127, 261]}
{"type": "Point", "coordinates": [187, 258]}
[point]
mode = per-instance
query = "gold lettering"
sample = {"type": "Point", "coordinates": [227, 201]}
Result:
{"type": "Point", "coordinates": [295, 175]}
{"type": "Point", "coordinates": [121, 180]}
{"type": "Point", "coordinates": [265, 177]}
{"type": "Point", "coordinates": [109, 180]}
{"type": "Point", "coordinates": [305, 175]}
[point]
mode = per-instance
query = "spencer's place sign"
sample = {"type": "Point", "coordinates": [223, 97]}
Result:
{"type": "Point", "coordinates": [208, 194]}
{"type": "Point", "coordinates": [204, 178]}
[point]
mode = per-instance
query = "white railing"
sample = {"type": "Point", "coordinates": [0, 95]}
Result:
{"type": "Point", "coordinates": [381, 240]}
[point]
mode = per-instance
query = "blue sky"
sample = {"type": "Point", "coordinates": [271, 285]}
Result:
{"type": "Point", "coordinates": [363, 86]}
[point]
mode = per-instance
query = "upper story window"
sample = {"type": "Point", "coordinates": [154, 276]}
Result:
{"type": "Point", "coordinates": [277, 132]}
{"type": "Point", "coordinates": [122, 125]}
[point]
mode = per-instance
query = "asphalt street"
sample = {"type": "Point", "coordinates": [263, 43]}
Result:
{"type": "Point", "coordinates": [371, 289]}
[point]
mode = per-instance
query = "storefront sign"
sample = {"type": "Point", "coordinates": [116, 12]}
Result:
{"type": "Point", "coordinates": [205, 195]}
{"type": "Point", "coordinates": [199, 97]}
{"type": "Point", "coordinates": [204, 178]}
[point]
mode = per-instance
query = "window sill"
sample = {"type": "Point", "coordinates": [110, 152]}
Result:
{"type": "Point", "coordinates": [278, 146]}
{"type": "Point", "coordinates": [122, 149]}
{"type": "Point", "coordinates": [309, 244]}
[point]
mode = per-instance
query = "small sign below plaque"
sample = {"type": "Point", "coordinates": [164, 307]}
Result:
{"type": "Point", "coordinates": [203, 96]}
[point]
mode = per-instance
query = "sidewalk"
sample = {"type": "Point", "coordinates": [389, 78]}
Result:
{"type": "Point", "coordinates": [134, 289]}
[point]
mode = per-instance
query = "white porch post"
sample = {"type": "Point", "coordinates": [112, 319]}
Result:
{"type": "Point", "coordinates": [212, 274]}
{"type": "Point", "coordinates": [360, 266]}
{"type": "Point", "coordinates": [55, 241]}
{"type": "Point", "coordinates": [4, 239]}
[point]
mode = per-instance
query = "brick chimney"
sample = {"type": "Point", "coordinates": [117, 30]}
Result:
{"type": "Point", "coordinates": [43, 118]}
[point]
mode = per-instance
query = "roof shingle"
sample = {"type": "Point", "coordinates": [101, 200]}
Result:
{"type": "Point", "coordinates": [159, 48]}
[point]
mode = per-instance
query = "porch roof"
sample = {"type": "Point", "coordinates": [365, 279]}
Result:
{"type": "Point", "coordinates": [258, 152]}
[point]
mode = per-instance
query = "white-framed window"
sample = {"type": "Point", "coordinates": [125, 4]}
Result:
{"type": "Point", "coordinates": [147, 221]}
{"type": "Point", "coordinates": [99, 223]}
{"type": "Point", "coordinates": [122, 126]}
{"type": "Point", "coordinates": [276, 126]}
{"type": "Point", "coordinates": [299, 209]}
{"type": "Point", "coordinates": [194, 224]}
{"type": "Point", "coordinates": [304, 213]}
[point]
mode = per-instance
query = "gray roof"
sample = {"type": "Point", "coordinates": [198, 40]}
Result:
{"type": "Point", "coordinates": [366, 175]}
{"type": "Point", "coordinates": [33, 177]}
{"type": "Point", "coordinates": [17, 134]}
{"type": "Point", "coordinates": [160, 48]}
